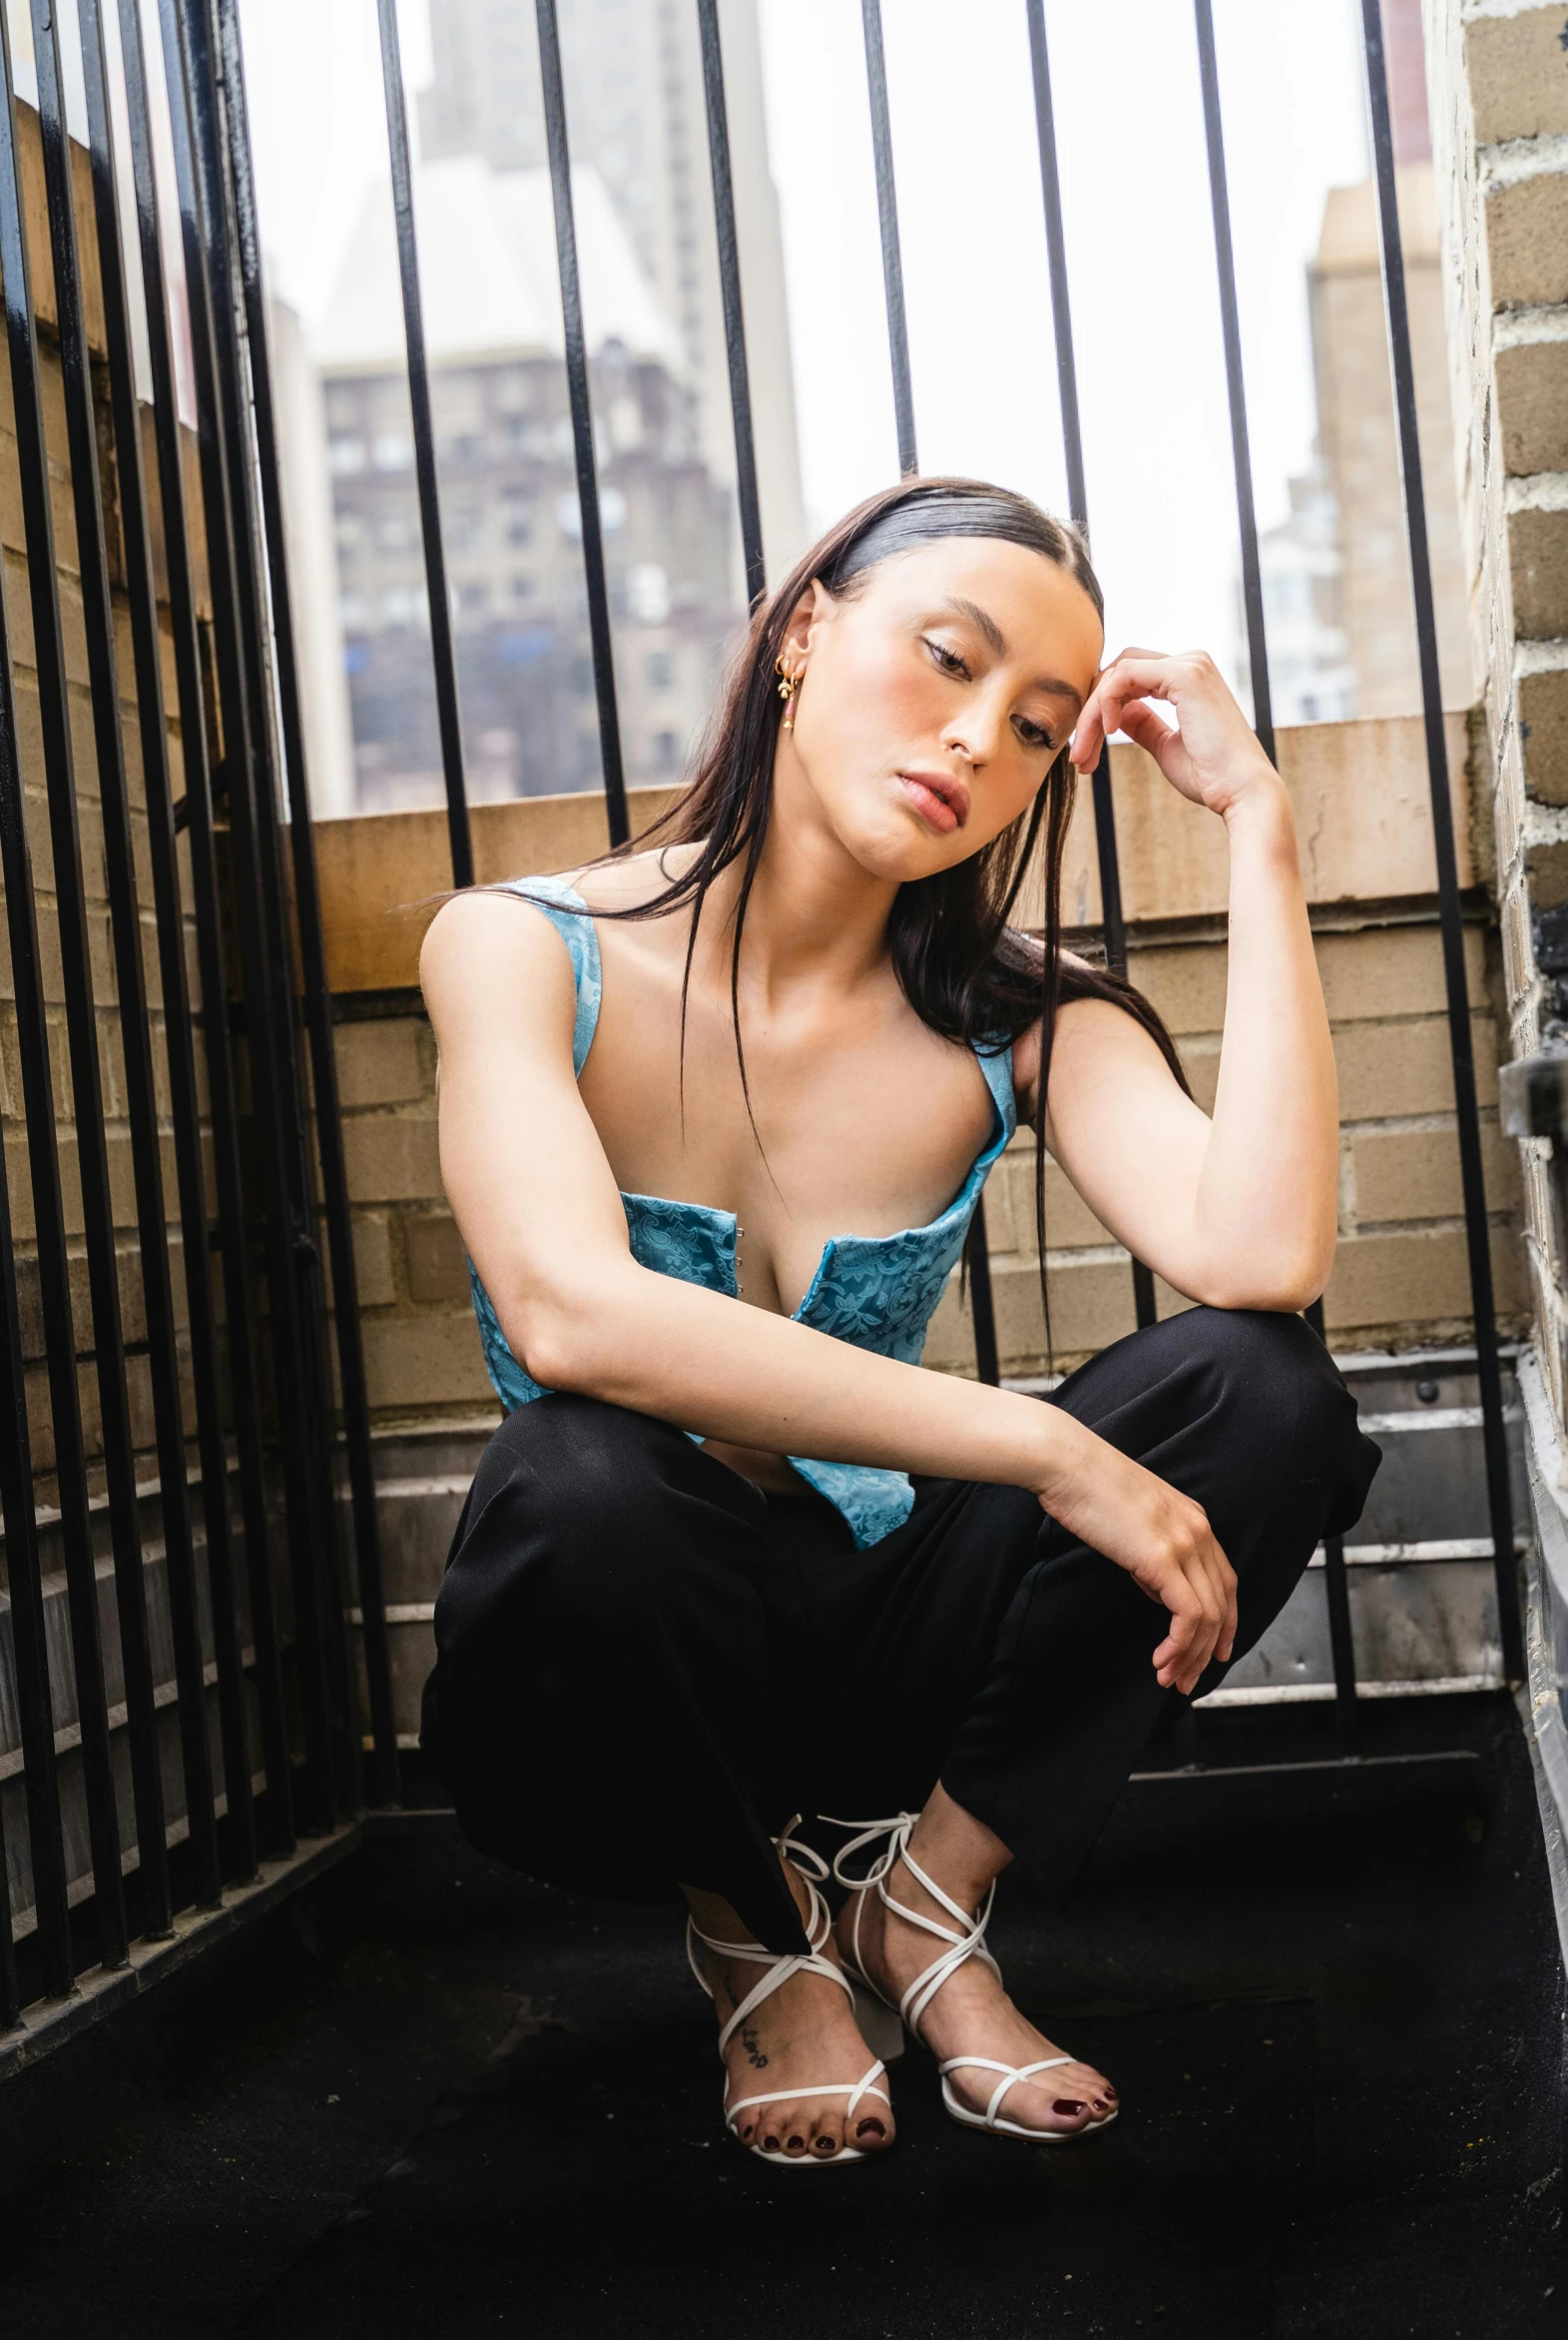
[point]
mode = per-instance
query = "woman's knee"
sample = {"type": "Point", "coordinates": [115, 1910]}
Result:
{"type": "Point", "coordinates": [573, 1492]}
{"type": "Point", "coordinates": [1270, 1377]}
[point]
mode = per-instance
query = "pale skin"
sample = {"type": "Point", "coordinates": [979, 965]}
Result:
{"type": "Point", "coordinates": [931, 701]}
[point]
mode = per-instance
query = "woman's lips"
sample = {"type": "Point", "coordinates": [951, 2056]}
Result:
{"type": "Point", "coordinates": [941, 801]}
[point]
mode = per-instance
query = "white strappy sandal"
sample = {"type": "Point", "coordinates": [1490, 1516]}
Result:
{"type": "Point", "coordinates": [779, 1969]}
{"type": "Point", "coordinates": [962, 1944]}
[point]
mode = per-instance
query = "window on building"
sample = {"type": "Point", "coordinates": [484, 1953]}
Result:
{"type": "Point", "coordinates": [403, 606]}
{"type": "Point", "coordinates": [667, 751]}
{"type": "Point", "coordinates": [661, 670]}
{"type": "Point", "coordinates": [346, 454]}
{"type": "Point", "coordinates": [394, 451]}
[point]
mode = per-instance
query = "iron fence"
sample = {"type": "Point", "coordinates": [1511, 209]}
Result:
{"type": "Point", "coordinates": [181, 1706]}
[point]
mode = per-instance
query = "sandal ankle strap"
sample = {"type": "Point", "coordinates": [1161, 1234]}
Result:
{"type": "Point", "coordinates": [967, 1942]}
{"type": "Point", "coordinates": [779, 1966]}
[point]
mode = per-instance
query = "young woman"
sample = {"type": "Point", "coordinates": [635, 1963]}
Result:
{"type": "Point", "coordinates": [715, 1116]}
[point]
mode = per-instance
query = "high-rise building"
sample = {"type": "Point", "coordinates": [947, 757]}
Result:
{"type": "Point", "coordinates": [511, 523]}
{"type": "Point", "coordinates": [635, 114]}
{"type": "Point", "coordinates": [1338, 600]}
{"type": "Point", "coordinates": [1360, 450]}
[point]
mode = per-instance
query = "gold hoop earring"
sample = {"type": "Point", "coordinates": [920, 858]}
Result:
{"type": "Point", "coordinates": [788, 684]}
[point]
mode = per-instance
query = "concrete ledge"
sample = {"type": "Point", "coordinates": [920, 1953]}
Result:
{"type": "Point", "coordinates": [1361, 793]}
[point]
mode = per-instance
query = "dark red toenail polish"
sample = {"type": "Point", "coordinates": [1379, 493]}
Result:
{"type": "Point", "coordinates": [1069, 2105]}
{"type": "Point", "coordinates": [1110, 2092]}
{"type": "Point", "coordinates": [870, 2129]}
{"type": "Point", "coordinates": [770, 2144]}
{"type": "Point", "coordinates": [797, 2144]}
{"type": "Point", "coordinates": [825, 2144]}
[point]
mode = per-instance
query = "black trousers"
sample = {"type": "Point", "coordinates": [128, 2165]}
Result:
{"type": "Point", "coordinates": [646, 1666]}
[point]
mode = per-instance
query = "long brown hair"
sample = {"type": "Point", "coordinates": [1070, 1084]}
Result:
{"type": "Point", "coordinates": [962, 968]}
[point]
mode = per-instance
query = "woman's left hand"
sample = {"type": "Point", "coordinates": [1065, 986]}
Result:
{"type": "Point", "coordinates": [1211, 756]}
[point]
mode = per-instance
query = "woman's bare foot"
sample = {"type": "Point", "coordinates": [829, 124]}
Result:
{"type": "Point", "coordinates": [804, 2034]}
{"type": "Point", "coordinates": [971, 2015]}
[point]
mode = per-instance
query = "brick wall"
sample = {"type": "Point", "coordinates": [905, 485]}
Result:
{"type": "Point", "coordinates": [1359, 792]}
{"type": "Point", "coordinates": [1498, 73]}
{"type": "Point", "coordinates": [13, 553]}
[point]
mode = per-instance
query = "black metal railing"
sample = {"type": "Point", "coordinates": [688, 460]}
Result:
{"type": "Point", "coordinates": [208, 1717]}
{"type": "Point", "coordinates": [173, 1742]}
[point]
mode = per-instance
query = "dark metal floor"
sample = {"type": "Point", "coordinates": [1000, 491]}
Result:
{"type": "Point", "coordinates": [434, 2102]}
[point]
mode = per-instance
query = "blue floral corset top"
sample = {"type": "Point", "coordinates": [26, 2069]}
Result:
{"type": "Point", "coordinates": [878, 1290]}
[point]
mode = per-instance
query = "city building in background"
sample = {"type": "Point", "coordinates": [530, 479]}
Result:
{"type": "Point", "coordinates": [305, 479]}
{"type": "Point", "coordinates": [1336, 572]}
{"type": "Point", "coordinates": [1359, 445]}
{"type": "Point", "coordinates": [509, 505]}
{"type": "Point", "coordinates": [635, 114]}
{"type": "Point", "coordinates": [1311, 677]}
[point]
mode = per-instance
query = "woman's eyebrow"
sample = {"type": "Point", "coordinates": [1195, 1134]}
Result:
{"type": "Point", "coordinates": [1052, 684]}
{"type": "Point", "coordinates": [982, 620]}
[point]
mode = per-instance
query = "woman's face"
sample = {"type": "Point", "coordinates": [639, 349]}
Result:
{"type": "Point", "coordinates": [935, 697]}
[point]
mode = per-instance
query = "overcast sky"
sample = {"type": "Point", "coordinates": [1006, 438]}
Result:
{"type": "Point", "coordinates": [1139, 230]}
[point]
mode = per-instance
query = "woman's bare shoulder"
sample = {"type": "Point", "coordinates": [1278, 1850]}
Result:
{"type": "Point", "coordinates": [627, 883]}
{"type": "Point", "coordinates": [487, 948]}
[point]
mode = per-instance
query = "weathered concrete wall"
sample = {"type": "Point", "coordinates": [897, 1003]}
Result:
{"type": "Point", "coordinates": [1498, 72]}
{"type": "Point", "coordinates": [1361, 796]}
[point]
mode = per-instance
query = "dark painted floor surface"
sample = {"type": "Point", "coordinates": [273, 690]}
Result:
{"type": "Point", "coordinates": [436, 2102]}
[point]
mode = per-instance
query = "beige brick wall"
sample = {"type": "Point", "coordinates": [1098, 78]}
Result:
{"type": "Point", "coordinates": [1498, 76]}
{"type": "Point", "coordinates": [18, 615]}
{"type": "Point", "coordinates": [1401, 1278]}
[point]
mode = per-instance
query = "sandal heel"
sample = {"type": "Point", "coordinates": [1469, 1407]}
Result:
{"type": "Point", "coordinates": [881, 2028]}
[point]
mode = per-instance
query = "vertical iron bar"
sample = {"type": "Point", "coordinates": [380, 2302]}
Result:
{"type": "Point", "coordinates": [312, 948]}
{"type": "Point", "coordinates": [10, 1991]}
{"type": "Point", "coordinates": [1235, 382]}
{"type": "Point", "coordinates": [305, 1318]}
{"type": "Point", "coordinates": [29, 1639]}
{"type": "Point", "coordinates": [1342, 1639]}
{"type": "Point", "coordinates": [1113, 923]}
{"type": "Point", "coordinates": [225, 485]}
{"type": "Point", "coordinates": [141, 592]}
{"type": "Point", "coordinates": [1056, 258]}
{"type": "Point", "coordinates": [582, 419]}
{"type": "Point", "coordinates": [729, 290]}
{"type": "Point", "coordinates": [239, 1348]}
{"type": "Point", "coordinates": [1477, 1231]}
{"type": "Point", "coordinates": [131, 986]}
{"type": "Point", "coordinates": [443, 652]}
{"type": "Point", "coordinates": [1337, 1592]}
{"type": "Point", "coordinates": [38, 1088]}
{"type": "Point", "coordinates": [887, 216]}
{"type": "Point", "coordinates": [977, 1256]}
{"type": "Point", "coordinates": [293, 1255]}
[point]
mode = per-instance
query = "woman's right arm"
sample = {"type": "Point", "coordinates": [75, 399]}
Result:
{"type": "Point", "coordinates": [538, 1208]}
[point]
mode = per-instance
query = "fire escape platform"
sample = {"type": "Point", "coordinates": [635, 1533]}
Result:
{"type": "Point", "coordinates": [427, 2097]}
